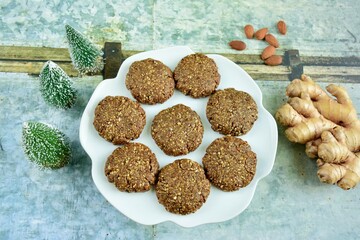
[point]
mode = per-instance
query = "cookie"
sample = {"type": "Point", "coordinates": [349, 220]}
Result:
{"type": "Point", "coordinates": [231, 112]}
{"type": "Point", "coordinates": [196, 75]}
{"type": "Point", "coordinates": [182, 187]}
{"type": "Point", "coordinates": [229, 163]}
{"type": "Point", "coordinates": [118, 119]}
{"type": "Point", "coordinates": [177, 130]}
{"type": "Point", "coordinates": [150, 81]}
{"type": "Point", "coordinates": [132, 168]}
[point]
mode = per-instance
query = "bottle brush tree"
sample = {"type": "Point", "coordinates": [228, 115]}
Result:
{"type": "Point", "coordinates": [45, 145]}
{"type": "Point", "coordinates": [86, 57]}
{"type": "Point", "coordinates": [56, 86]}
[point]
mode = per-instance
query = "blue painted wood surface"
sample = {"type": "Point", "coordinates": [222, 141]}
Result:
{"type": "Point", "coordinates": [288, 204]}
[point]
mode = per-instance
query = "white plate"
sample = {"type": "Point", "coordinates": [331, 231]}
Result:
{"type": "Point", "coordinates": [144, 207]}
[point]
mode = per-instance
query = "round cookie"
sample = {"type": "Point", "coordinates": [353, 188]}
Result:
{"type": "Point", "coordinates": [132, 168]}
{"type": "Point", "coordinates": [231, 112]}
{"type": "Point", "coordinates": [229, 163]}
{"type": "Point", "coordinates": [118, 119]}
{"type": "Point", "coordinates": [196, 75]}
{"type": "Point", "coordinates": [182, 186]}
{"type": "Point", "coordinates": [177, 130]}
{"type": "Point", "coordinates": [150, 81]}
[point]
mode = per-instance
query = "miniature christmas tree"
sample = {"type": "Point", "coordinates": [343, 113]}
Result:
{"type": "Point", "coordinates": [86, 57]}
{"type": "Point", "coordinates": [56, 86]}
{"type": "Point", "coordinates": [45, 145]}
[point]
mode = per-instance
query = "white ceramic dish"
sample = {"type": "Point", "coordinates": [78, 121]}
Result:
{"type": "Point", "coordinates": [144, 207]}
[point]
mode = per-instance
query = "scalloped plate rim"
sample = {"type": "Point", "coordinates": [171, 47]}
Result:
{"type": "Point", "coordinates": [180, 220]}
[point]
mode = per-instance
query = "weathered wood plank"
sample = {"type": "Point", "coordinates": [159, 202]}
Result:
{"type": "Point", "coordinates": [333, 73]}
{"type": "Point", "coordinates": [33, 67]}
{"type": "Point", "coordinates": [31, 59]}
{"type": "Point", "coordinates": [264, 72]}
{"type": "Point", "coordinates": [244, 58]}
{"type": "Point", "coordinates": [257, 72]}
{"type": "Point", "coordinates": [335, 79]}
{"type": "Point", "coordinates": [332, 70]}
{"type": "Point", "coordinates": [129, 53]}
{"type": "Point", "coordinates": [34, 53]}
{"type": "Point", "coordinates": [330, 61]}
{"type": "Point", "coordinates": [237, 58]}
{"type": "Point", "coordinates": [62, 54]}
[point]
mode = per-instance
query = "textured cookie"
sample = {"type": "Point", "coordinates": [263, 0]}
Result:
{"type": "Point", "coordinates": [231, 112]}
{"type": "Point", "coordinates": [132, 168]}
{"type": "Point", "coordinates": [196, 75]}
{"type": "Point", "coordinates": [177, 130]}
{"type": "Point", "coordinates": [229, 163]}
{"type": "Point", "coordinates": [150, 81]}
{"type": "Point", "coordinates": [182, 187]}
{"type": "Point", "coordinates": [119, 119]}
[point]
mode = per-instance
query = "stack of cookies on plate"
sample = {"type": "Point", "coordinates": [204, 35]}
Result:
{"type": "Point", "coordinates": [183, 185]}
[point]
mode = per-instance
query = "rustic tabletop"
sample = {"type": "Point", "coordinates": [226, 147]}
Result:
{"type": "Point", "coordinates": [290, 203]}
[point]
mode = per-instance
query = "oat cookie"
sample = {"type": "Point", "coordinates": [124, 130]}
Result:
{"type": "Point", "coordinates": [229, 163]}
{"type": "Point", "coordinates": [150, 81]}
{"type": "Point", "coordinates": [177, 130]}
{"type": "Point", "coordinates": [182, 187]}
{"type": "Point", "coordinates": [118, 119]}
{"type": "Point", "coordinates": [132, 168]}
{"type": "Point", "coordinates": [231, 112]}
{"type": "Point", "coordinates": [196, 75]}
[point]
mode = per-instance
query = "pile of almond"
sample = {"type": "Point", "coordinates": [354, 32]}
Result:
{"type": "Point", "coordinates": [268, 54]}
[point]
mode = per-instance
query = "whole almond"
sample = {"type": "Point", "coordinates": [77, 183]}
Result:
{"type": "Point", "coordinates": [272, 40]}
{"type": "Point", "coordinates": [237, 45]}
{"type": "Point", "coordinates": [281, 25]}
{"type": "Point", "coordinates": [274, 60]}
{"type": "Point", "coordinates": [249, 31]}
{"type": "Point", "coordinates": [261, 33]}
{"type": "Point", "coordinates": [268, 52]}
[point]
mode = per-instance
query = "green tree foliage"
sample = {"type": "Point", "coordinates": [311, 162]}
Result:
{"type": "Point", "coordinates": [56, 86]}
{"type": "Point", "coordinates": [45, 145]}
{"type": "Point", "coordinates": [86, 57]}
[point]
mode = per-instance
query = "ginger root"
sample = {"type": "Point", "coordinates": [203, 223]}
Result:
{"type": "Point", "coordinates": [328, 126]}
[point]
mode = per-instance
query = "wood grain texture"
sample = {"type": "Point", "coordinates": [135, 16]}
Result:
{"type": "Point", "coordinates": [19, 53]}
{"type": "Point", "coordinates": [32, 67]}
{"type": "Point", "coordinates": [339, 69]}
{"type": "Point", "coordinates": [338, 74]}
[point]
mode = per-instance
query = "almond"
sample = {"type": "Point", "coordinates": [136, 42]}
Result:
{"type": "Point", "coordinates": [281, 25]}
{"type": "Point", "coordinates": [249, 31]}
{"type": "Point", "coordinates": [237, 44]}
{"type": "Point", "coordinates": [260, 34]}
{"type": "Point", "coordinates": [272, 40]}
{"type": "Point", "coordinates": [273, 60]}
{"type": "Point", "coordinates": [268, 52]}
